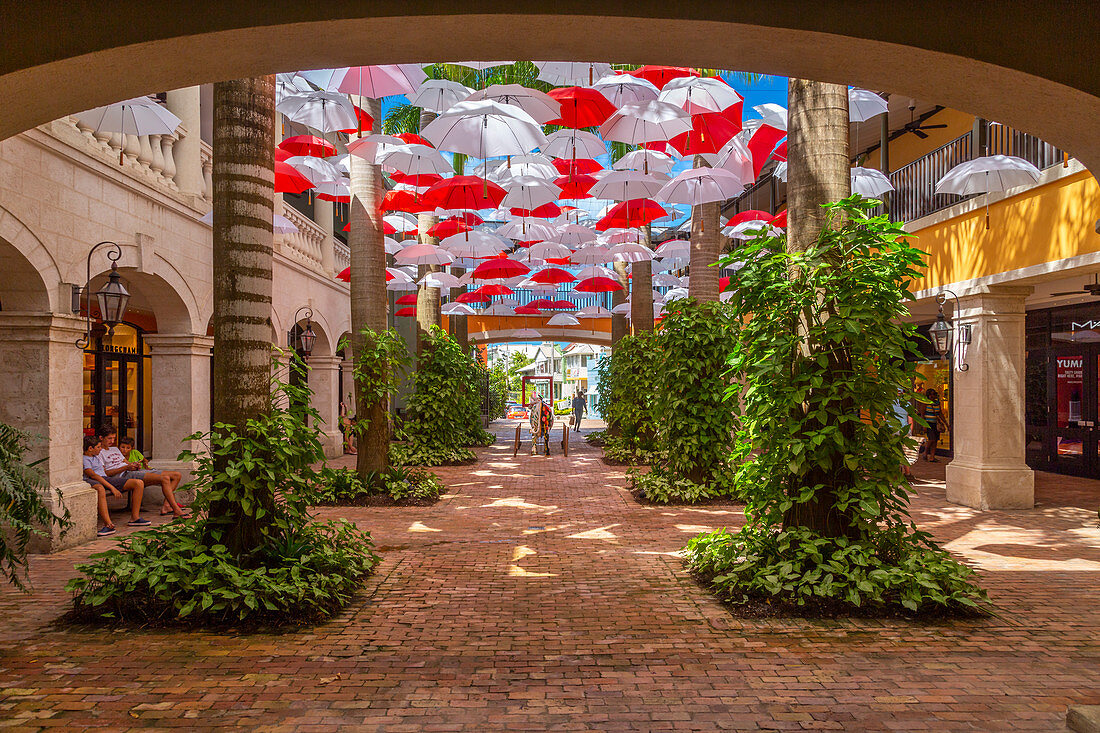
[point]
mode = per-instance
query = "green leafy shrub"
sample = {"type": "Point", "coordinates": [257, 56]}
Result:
{"type": "Point", "coordinates": [623, 450]}
{"type": "Point", "coordinates": [821, 346]}
{"type": "Point", "coordinates": [597, 438]}
{"type": "Point", "coordinates": [296, 570]}
{"type": "Point", "coordinates": [444, 411]}
{"type": "Point", "coordinates": [627, 389]}
{"type": "Point", "coordinates": [23, 514]}
{"type": "Point", "coordinates": [409, 454]}
{"type": "Point", "coordinates": [661, 487]}
{"type": "Point", "coordinates": [399, 484]}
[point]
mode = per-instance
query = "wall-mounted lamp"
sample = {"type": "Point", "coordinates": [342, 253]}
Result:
{"type": "Point", "coordinates": [307, 338]}
{"type": "Point", "coordinates": [112, 297]}
{"type": "Point", "coordinates": [942, 329]}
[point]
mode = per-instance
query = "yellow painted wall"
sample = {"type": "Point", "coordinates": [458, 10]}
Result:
{"type": "Point", "coordinates": [1050, 222]}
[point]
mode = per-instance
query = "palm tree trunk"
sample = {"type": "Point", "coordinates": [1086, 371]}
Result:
{"type": "Point", "coordinates": [818, 173]}
{"type": "Point", "coordinates": [618, 321]}
{"type": "Point", "coordinates": [244, 200]}
{"type": "Point", "coordinates": [641, 292]}
{"type": "Point", "coordinates": [369, 300]}
{"type": "Point", "coordinates": [706, 243]}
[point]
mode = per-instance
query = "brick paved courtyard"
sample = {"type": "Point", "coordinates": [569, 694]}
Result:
{"type": "Point", "coordinates": [537, 595]}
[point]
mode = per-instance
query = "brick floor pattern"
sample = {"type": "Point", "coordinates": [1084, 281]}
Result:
{"type": "Point", "coordinates": [538, 595]}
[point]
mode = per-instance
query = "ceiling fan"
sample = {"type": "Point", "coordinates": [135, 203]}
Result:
{"type": "Point", "coordinates": [917, 127]}
{"type": "Point", "coordinates": [1092, 289]}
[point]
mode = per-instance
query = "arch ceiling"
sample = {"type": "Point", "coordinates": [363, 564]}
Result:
{"type": "Point", "coordinates": [1031, 64]}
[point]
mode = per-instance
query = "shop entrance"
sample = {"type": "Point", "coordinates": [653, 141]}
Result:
{"type": "Point", "coordinates": [117, 385]}
{"type": "Point", "coordinates": [1074, 417]}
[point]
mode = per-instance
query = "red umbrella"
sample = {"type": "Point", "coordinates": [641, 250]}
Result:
{"type": "Point", "coordinates": [468, 217]}
{"type": "Point", "coordinates": [337, 199]}
{"type": "Point", "coordinates": [762, 143]}
{"type": "Point", "coordinates": [553, 276]}
{"type": "Point", "coordinates": [661, 75]}
{"type": "Point", "coordinates": [597, 285]}
{"type": "Point", "coordinates": [493, 289]}
{"type": "Point", "coordinates": [365, 122]}
{"type": "Point", "coordinates": [632, 213]}
{"type": "Point", "coordinates": [723, 283]}
{"type": "Point", "coordinates": [424, 179]}
{"type": "Point", "coordinates": [496, 269]}
{"type": "Point", "coordinates": [408, 311]}
{"type": "Point", "coordinates": [464, 192]}
{"type": "Point", "coordinates": [308, 145]}
{"type": "Point", "coordinates": [546, 211]}
{"type": "Point", "coordinates": [780, 220]}
{"type": "Point", "coordinates": [281, 155]}
{"type": "Point", "coordinates": [527, 310]}
{"type": "Point", "coordinates": [409, 299]}
{"type": "Point", "coordinates": [396, 200]}
{"type": "Point", "coordinates": [541, 303]}
{"type": "Point", "coordinates": [289, 180]}
{"type": "Point", "coordinates": [345, 275]}
{"type": "Point", "coordinates": [581, 107]}
{"type": "Point", "coordinates": [411, 138]}
{"type": "Point", "coordinates": [558, 261]}
{"type": "Point", "coordinates": [563, 305]}
{"type": "Point", "coordinates": [750, 215]}
{"type": "Point", "coordinates": [474, 297]}
{"type": "Point", "coordinates": [567, 167]}
{"type": "Point", "coordinates": [780, 153]}
{"type": "Point", "coordinates": [387, 228]}
{"type": "Point", "coordinates": [709, 132]}
{"type": "Point", "coordinates": [448, 227]}
{"type": "Point", "coordinates": [575, 187]}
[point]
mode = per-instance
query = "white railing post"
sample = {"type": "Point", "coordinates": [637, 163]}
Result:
{"type": "Point", "coordinates": [185, 104]}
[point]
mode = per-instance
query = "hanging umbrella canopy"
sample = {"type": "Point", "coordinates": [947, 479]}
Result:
{"type": "Point", "coordinates": [575, 187]}
{"type": "Point", "coordinates": [378, 81]}
{"type": "Point", "coordinates": [674, 248]}
{"type": "Point", "coordinates": [736, 158]}
{"type": "Point", "coordinates": [137, 116]}
{"type": "Point", "coordinates": [371, 147]}
{"type": "Point", "coordinates": [363, 121]}
{"type": "Point", "coordinates": [415, 160]}
{"type": "Point", "coordinates": [623, 89]}
{"type": "Point", "coordinates": [618, 235]}
{"type": "Point", "coordinates": [474, 244]}
{"type": "Point", "coordinates": [541, 106]}
{"type": "Point", "coordinates": [474, 297]}
{"type": "Point", "coordinates": [870, 182]}
{"type": "Point", "coordinates": [772, 114]}
{"type": "Point", "coordinates": [624, 185]}
{"type": "Point", "coordinates": [593, 311]}
{"type": "Point", "coordinates": [333, 191]}
{"type": "Point", "coordinates": [317, 170]}
{"type": "Point", "coordinates": [645, 122]}
{"type": "Point", "coordinates": [581, 107]}
{"type": "Point", "coordinates": [527, 310]}
{"type": "Point", "coordinates": [485, 129]}
{"type": "Point", "coordinates": [750, 229]}
{"type": "Point", "coordinates": [564, 305]}
{"type": "Point", "coordinates": [308, 145]}
{"type": "Point", "coordinates": [464, 192]}
{"type": "Point", "coordinates": [491, 289]}
{"type": "Point", "coordinates": [567, 73]}
{"type": "Point", "coordinates": [289, 179]}
{"type": "Point", "coordinates": [631, 213]}
{"type": "Point", "coordinates": [546, 211]}
{"type": "Point", "coordinates": [709, 132]}
{"type": "Point", "coordinates": [406, 201]}
{"type": "Point", "coordinates": [423, 254]}
{"type": "Point", "coordinates": [701, 185]}
{"type": "Point", "coordinates": [439, 95]}
{"type": "Point", "coordinates": [324, 111]}
{"type": "Point", "coordinates": [496, 269]}
{"type": "Point", "coordinates": [448, 227]}
{"type": "Point", "coordinates": [481, 65]}
{"type": "Point", "coordinates": [563, 319]}
{"type": "Point", "coordinates": [526, 230]}
{"type": "Point", "coordinates": [406, 300]}
{"type": "Point", "coordinates": [574, 235]}
{"type": "Point", "coordinates": [529, 192]}
{"type": "Point", "coordinates": [651, 160]}
{"type": "Point", "coordinates": [696, 95]}
{"type": "Point", "coordinates": [500, 309]}
{"type": "Point", "coordinates": [457, 309]}
{"type": "Point", "coordinates": [392, 246]}
{"type": "Point", "coordinates": [659, 76]}
{"type": "Point", "coordinates": [439, 280]}
{"type": "Point", "coordinates": [574, 144]}
{"type": "Point", "coordinates": [593, 254]}
{"type": "Point", "coordinates": [750, 215]}
{"type": "Point", "coordinates": [863, 105]}
{"type": "Point", "coordinates": [546, 250]}
{"type": "Point", "coordinates": [595, 271]}
{"type": "Point", "coordinates": [578, 166]}
{"type": "Point", "coordinates": [406, 312]}
{"type": "Point", "coordinates": [988, 174]}
{"type": "Point", "coordinates": [631, 252]}
{"type": "Point", "coordinates": [553, 276]}
{"type": "Point", "coordinates": [664, 280]}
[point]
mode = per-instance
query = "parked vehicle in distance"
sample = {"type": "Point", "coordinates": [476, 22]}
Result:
{"type": "Point", "coordinates": [516, 412]}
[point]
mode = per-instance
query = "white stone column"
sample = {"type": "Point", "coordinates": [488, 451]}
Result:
{"type": "Point", "coordinates": [324, 380]}
{"type": "Point", "coordinates": [323, 215]}
{"type": "Point", "coordinates": [41, 394]}
{"type": "Point", "coordinates": [989, 470]}
{"type": "Point", "coordinates": [181, 400]}
{"type": "Point", "coordinates": [184, 103]}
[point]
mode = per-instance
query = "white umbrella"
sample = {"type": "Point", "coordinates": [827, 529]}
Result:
{"type": "Point", "coordinates": [415, 160]}
{"type": "Point", "coordinates": [457, 309]}
{"type": "Point", "coordinates": [988, 174]}
{"type": "Point", "coordinates": [870, 182]}
{"type": "Point", "coordinates": [593, 311]}
{"type": "Point", "coordinates": [138, 116]}
{"type": "Point", "coordinates": [526, 333]}
{"type": "Point", "coordinates": [622, 309]}
{"type": "Point", "coordinates": [571, 73]}
{"type": "Point", "coordinates": [631, 252]}
{"type": "Point", "coordinates": [651, 160]}
{"type": "Point", "coordinates": [438, 95]}
{"type": "Point", "coordinates": [574, 235]}
{"type": "Point", "coordinates": [527, 230]}
{"type": "Point", "coordinates": [392, 246]}
{"type": "Point", "coordinates": [645, 122]}
{"type": "Point", "coordinates": [499, 309]}
{"type": "Point", "coordinates": [674, 248]}
{"type": "Point", "coordinates": [335, 189]}
{"type": "Point", "coordinates": [402, 222]}
{"type": "Point", "coordinates": [550, 250]}
{"type": "Point", "coordinates": [700, 186]}
{"type": "Point", "coordinates": [595, 271]}
{"type": "Point", "coordinates": [439, 280]}
{"type": "Point", "coordinates": [696, 95]}
{"type": "Point", "coordinates": [623, 89]}
{"type": "Point", "coordinates": [664, 280]}
{"type": "Point", "coordinates": [676, 294]}
{"type": "Point", "coordinates": [619, 236]}
{"type": "Point", "coordinates": [541, 106]}
{"type": "Point", "coordinates": [563, 319]}
{"type": "Point", "coordinates": [529, 192]}
{"type": "Point", "coordinates": [371, 147]}
{"type": "Point", "coordinates": [863, 105]}
{"type": "Point", "coordinates": [780, 171]}
{"type": "Point", "coordinates": [625, 185]}
{"type": "Point", "coordinates": [751, 229]}
{"type": "Point", "coordinates": [772, 114]}
{"type": "Point", "coordinates": [590, 255]}
{"type": "Point", "coordinates": [485, 129]}
{"type": "Point", "coordinates": [365, 81]}
{"type": "Point", "coordinates": [736, 158]}
{"type": "Point", "coordinates": [317, 170]}
{"type": "Point", "coordinates": [289, 84]}
{"type": "Point", "coordinates": [324, 111]}
{"type": "Point", "coordinates": [536, 287]}
{"type": "Point", "coordinates": [574, 144]}
{"type": "Point", "coordinates": [474, 244]}
{"type": "Point", "coordinates": [424, 254]}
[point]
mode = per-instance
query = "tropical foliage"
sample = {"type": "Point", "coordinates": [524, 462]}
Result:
{"type": "Point", "coordinates": [626, 397]}
{"type": "Point", "coordinates": [400, 485]}
{"type": "Point", "coordinates": [822, 349]}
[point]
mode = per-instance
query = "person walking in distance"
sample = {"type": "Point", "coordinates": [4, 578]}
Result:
{"type": "Point", "coordinates": [933, 414]}
{"type": "Point", "coordinates": [579, 406]}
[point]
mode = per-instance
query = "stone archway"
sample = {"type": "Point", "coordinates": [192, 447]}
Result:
{"type": "Point", "coordinates": [1031, 66]}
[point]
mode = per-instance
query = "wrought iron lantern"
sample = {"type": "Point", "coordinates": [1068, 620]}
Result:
{"type": "Point", "coordinates": [942, 331]}
{"type": "Point", "coordinates": [112, 298]}
{"type": "Point", "coordinates": [306, 338]}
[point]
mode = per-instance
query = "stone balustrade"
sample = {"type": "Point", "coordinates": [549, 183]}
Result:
{"type": "Point", "coordinates": [304, 245]}
{"type": "Point", "coordinates": [148, 156]}
{"type": "Point", "coordinates": [342, 254]}
{"type": "Point", "coordinates": [207, 158]}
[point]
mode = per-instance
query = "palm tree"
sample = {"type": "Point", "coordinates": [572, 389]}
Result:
{"type": "Point", "coordinates": [244, 201]}
{"type": "Point", "coordinates": [817, 173]}
{"type": "Point", "coordinates": [369, 300]}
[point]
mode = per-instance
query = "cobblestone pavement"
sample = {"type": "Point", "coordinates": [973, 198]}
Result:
{"type": "Point", "coordinates": [538, 595]}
